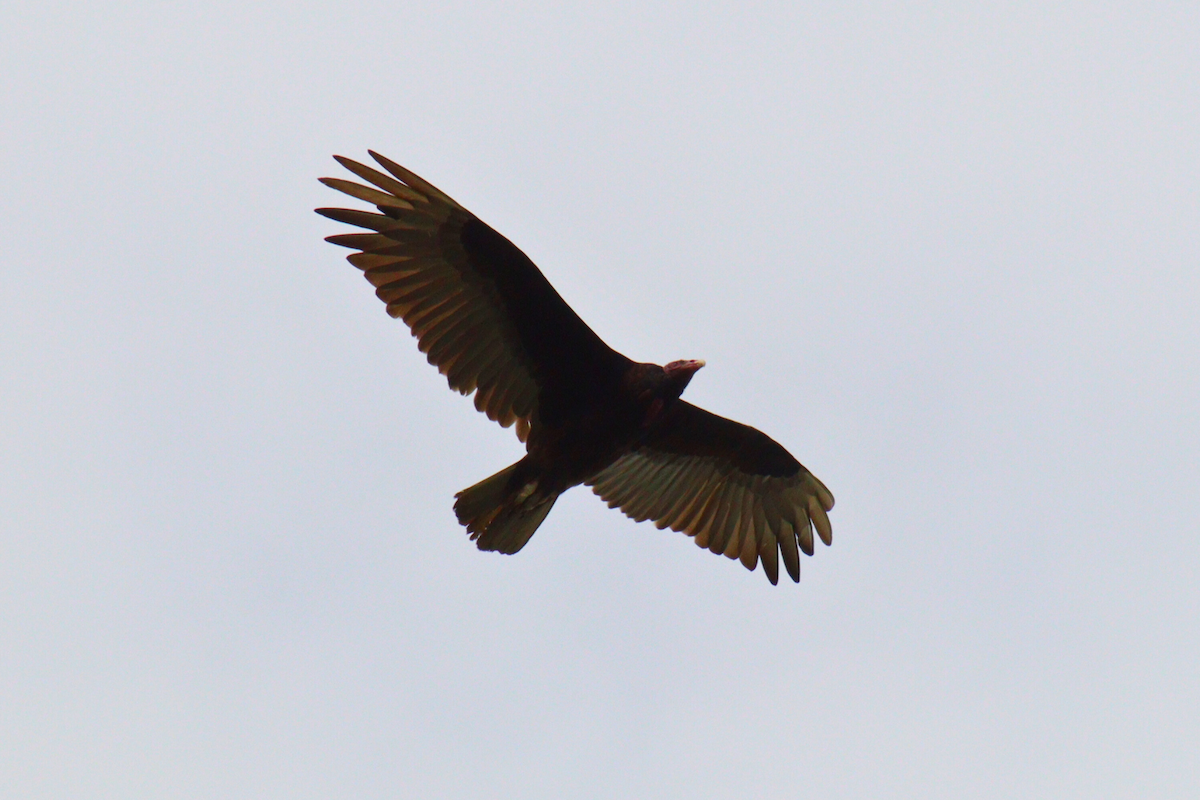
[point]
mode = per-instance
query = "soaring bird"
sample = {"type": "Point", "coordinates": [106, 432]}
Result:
{"type": "Point", "coordinates": [488, 319]}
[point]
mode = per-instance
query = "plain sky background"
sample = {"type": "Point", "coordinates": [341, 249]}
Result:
{"type": "Point", "coordinates": [947, 254]}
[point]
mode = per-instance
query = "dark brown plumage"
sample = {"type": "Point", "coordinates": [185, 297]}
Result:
{"type": "Point", "coordinates": [493, 325]}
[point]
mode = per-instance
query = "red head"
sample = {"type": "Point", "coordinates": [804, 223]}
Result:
{"type": "Point", "coordinates": [678, 374]}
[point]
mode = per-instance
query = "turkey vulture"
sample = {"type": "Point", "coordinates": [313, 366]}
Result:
{"type": "Point", "coordinates": [493, 325]}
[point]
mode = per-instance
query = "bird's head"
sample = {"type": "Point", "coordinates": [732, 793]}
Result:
{"type": "Point", "coordinates": [678, 374]}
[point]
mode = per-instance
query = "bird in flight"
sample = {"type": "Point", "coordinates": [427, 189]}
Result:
{"type": "Point", "coordinates": [488, 319]}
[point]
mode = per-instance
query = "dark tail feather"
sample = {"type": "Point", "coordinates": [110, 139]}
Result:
{"type": "Point", "coordinates": [502, 512]}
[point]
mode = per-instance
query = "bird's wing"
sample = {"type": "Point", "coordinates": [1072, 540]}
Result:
{"type": "Point", "coordinates": [481, 311]}
{"type": "Point", "coordinates": [730, 486]}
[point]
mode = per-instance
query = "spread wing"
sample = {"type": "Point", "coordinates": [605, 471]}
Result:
{"type": "Point", "coordinates": [481, 311]}
{"type": "Point", "coordinates": [730, 486]}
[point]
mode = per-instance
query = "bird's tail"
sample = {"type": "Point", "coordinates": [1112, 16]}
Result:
{"type": "Point", "coordinates": [503, 511]}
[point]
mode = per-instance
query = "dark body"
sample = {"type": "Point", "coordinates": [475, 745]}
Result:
{"type": "Point", "coordinates": [490, 321]}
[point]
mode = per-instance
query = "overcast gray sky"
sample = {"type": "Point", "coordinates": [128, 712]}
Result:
{"type": "Point", "coordinates": [946, 254]}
